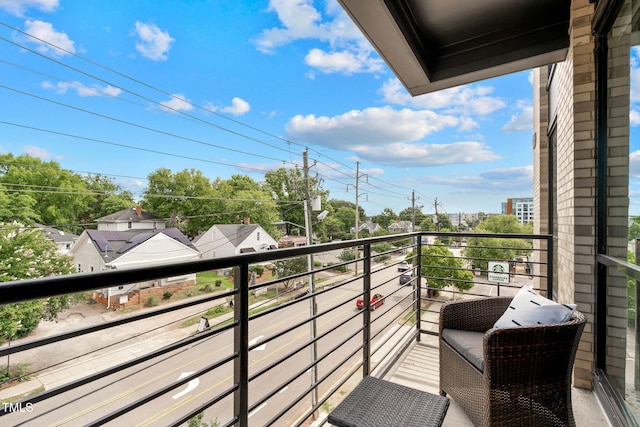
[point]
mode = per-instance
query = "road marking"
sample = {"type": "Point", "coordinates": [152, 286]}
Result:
{"type": "Point", "coordinates": [191, 385]}
{"type": "Point", "coordinates": [256, 410]}
{"type": "Point", "coordinates": [255, 341]}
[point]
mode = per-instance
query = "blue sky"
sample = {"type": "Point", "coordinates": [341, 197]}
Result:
{"type": "Point", "coordinates": [232, 87]}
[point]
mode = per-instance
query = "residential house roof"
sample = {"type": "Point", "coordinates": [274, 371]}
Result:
{"type": "Point", "coordinates": [58, 236]}
{"type": "Point", "coordinates": [112, 244]}
{"type": "Point", "coordinates": [235, 233]}
{"type": "Point", "coordinates": [130, 214]}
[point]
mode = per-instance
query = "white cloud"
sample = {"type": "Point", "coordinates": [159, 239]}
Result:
{"type": "Point", "coordinates": [467, 99]}
{"type": "Point", "coordinates": [348, 51]}
{"type": "Point", "coordinates": [522, 120]}
{"type": "Point", "coordinates": [509, 180]}
{"type": "Point", "coordinates": [635, 74]}
{"type": "Point", "coordinates": [467, 124]}
{"type": "Point", "coordinates": [82, 90]}
{"type": "Point", "coordinates": [299, 20]}
{"type": "Point", "coordinates": [634, 164]}
{"type": "Point", "coordinates": [47, 39]}
{"type": "Point", "coordinates": [342, 62]}
{"type": "Point", "coordinates": [40, 153]}
{"type": "Point", "coordinates": [153, 43]}
{"type": "Point", "coordinates": [634, 117]}
{"type": "Point", "coordinates": [388, 137]}
{"type": "Point", "coordinates": [420, 155]}
{"type": "Point", "coordinates": [238, 107]}
{"type": "Point", "coordinates": [177, 102]}
{"type": "Point", "coordinates": [372, 126]}
{"type": "Point", "coordinates": [19, 7]}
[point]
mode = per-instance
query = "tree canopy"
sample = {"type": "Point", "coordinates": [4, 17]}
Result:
{"type": "Point", "coordinates": [32, 190]}
{"type": "Point", "coordinates": [441, 268]}
{"type": "Point", "coordinates": [484, 249]}
{"type": "Point", "coordinates": [26, 254]}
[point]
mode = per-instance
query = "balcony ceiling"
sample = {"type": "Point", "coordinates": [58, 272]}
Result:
{"type": "Point", "coordinates": [436, 44]}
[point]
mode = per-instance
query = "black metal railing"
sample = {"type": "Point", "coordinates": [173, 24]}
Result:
{"type": "Point", "coordinates": [270, 352]}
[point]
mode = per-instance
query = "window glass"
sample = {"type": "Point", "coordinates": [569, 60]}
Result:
{"type": "Point", "coordinates": [623, 203]}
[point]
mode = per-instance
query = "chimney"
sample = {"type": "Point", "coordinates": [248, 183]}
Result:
{"type": "Point", "coordinates": [138, 210]}
{"type": "Point", "coordinates": [246, 221]}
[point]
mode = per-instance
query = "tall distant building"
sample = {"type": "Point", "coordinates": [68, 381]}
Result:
{"type": "Point", "coordinates": [521, 208]}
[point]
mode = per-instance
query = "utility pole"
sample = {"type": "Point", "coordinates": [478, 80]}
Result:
{"type": "Point", "coordinates": [357, 207]}
{"type": "Point", "coordinates": [413, 209]}
{"type": "Point", "coordinates": [436, 218]}
{"type": "Point", "coordinates": [312, 301]}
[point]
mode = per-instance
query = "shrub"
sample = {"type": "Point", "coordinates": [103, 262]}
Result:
{"type": "Point", "coordinates": [218, 283]}
{"type": "Point", "coordinates": [152, 301]}
{"type": "Point", "coordinates": [206, 288]}
{"type": "Point", "coordinates": [167, 295]}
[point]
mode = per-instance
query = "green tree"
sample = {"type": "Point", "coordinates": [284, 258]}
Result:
{"type": "Point", "coordinates": [184, 196]}
{"type": "Point", "coordinates": [245, 198]}
{"type": "Point", "coordinates": [61, 196]}
{"type": "Point", "coordinates": [442, 268]}
{"type": "Point", "coordinates": [26, 254]}
{"type": "Point", "coordinates": [288, 267]}
{"type": "Point", "coordinates": [347, 218]}
{"type": "Point", "coordinates": [634, 228]}
{"type": "Point", "coordinates": [17, 207]}
{"type": "Point", "coordinates": [386, 218]}
{"type": "Point", "coordinates": [408, 215]}
{"type": "Point", "coordinates": [484, 249]}
{"type": "Point", "coordinates": [288, 188]}
{"type": "Point", "coordinates": [631, 289]}
{"type": "Point", "coordinates": [108, 197]}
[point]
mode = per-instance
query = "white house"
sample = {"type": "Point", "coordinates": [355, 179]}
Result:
{"type": "Point", "coordinates": [63, 240]}
{"type": "Point", "coordinates": [401, 227]}
{"type": "Point", "coordinates": [131, 219]}
{"type": "Point", "coordinates": [98, 250]}
{"type": "Point", "coordinates": [223, 240]}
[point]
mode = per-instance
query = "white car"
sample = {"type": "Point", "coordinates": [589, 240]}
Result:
{"type": "Point", "coordinates": [404, 266]}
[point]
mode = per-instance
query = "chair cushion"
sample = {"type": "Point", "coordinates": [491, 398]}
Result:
{"type": "Point", "coordinates": [468, 344]}
{"type": "Point", "coordinates": [529, 308]}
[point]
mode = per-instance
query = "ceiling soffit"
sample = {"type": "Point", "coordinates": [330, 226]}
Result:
{"type": "Point", "coordinates": [436, 44]}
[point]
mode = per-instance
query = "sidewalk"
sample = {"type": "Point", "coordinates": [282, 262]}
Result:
{"type": "Point", "coordinates": [81, 356]}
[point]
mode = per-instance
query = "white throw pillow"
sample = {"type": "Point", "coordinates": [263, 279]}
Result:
{"type": "Point", "coordinates": [529, 308]}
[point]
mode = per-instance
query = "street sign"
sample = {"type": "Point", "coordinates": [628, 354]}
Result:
{"type": "Point", "coordinates": [498, 272]}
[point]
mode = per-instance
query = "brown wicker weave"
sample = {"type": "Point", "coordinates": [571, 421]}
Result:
{"type": "Point", "coordinates": [527, 369]}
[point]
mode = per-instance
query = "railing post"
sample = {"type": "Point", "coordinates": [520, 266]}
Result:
{"type": "Point", "coordinates": [366, 319]}
{"type": "Point", "coordinates": [241, 344]}
{"type": "Point", "coordinates": [418, 294]}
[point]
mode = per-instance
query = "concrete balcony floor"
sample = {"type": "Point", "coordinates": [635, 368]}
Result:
{"type": "Point", "coordinates": [419, 369]}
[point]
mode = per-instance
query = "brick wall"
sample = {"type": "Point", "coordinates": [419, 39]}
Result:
{"type": "Point", "coordinates": [575, 167]}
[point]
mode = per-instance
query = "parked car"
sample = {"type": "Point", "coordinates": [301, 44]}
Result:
{"type": "Point", "coordinates": [376, 301]}
{"type": "Point", "coordinates": [404, 266]}
{"type": "Point", "coordinates": [406, 278]}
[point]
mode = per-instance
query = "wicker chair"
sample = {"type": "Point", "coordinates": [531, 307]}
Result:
{"type": "Point", "coordinates": [526, 378]}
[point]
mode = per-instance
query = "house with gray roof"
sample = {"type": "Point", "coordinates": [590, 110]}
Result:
{"type": "Point", "coordinates": [62, 239]}
{"type": "Point", "coordinates": [97, 250]}
{"type": "Point", "coordinates": [131, 219]}
{"type": "Point", "coordinates": [401, 227]}
{"type": "Point", "coordinates": [232, 239]}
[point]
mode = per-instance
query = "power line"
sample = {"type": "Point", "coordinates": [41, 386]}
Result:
{"type": "Point", "coordinates": [289, 142]}
{"type": "Point", "coordinates": [148, 150]}
{"type": "Point", "coordinates": [156, 89]}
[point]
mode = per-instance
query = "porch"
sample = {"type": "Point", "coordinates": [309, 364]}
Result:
{"type": "Point", "coordinates": [283, 358]}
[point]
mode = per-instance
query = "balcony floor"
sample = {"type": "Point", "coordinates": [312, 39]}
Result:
{"type": "Point", "coordinates": [419, 369]}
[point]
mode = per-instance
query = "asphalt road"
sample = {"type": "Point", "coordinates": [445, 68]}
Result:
{"type": "Point", "coordinates": [88, 403]}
